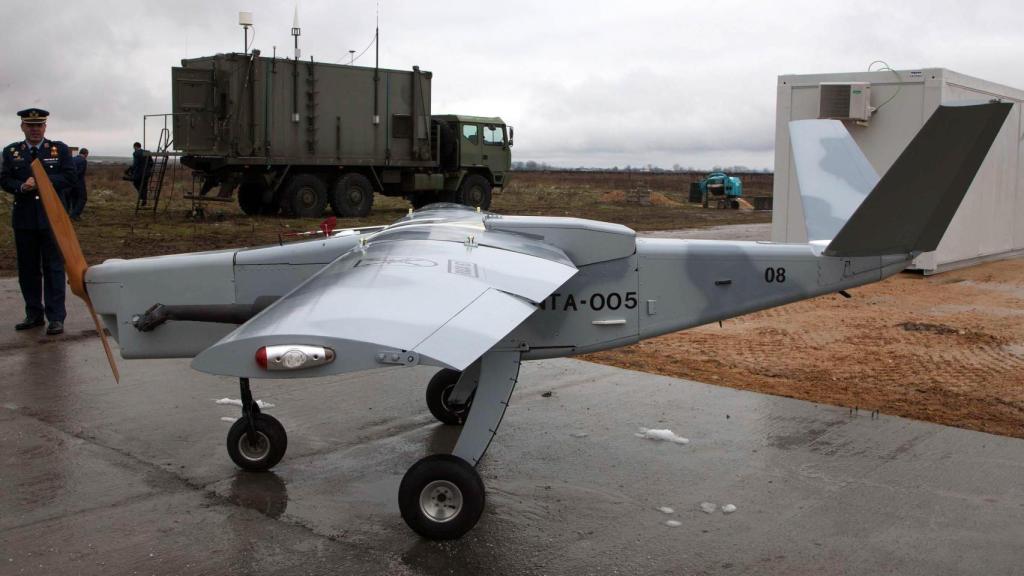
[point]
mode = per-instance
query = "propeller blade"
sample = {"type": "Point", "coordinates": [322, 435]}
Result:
{"type": "Point", "coordinates": [71, 250]}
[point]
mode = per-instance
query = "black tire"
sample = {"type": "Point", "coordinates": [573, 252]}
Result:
{"type": "Point", "coordinates": [271, 444]}
{"type": "Point", "coordinates": [441, 497]}
{"type": "Point", "coordinates": [475, 191]}
{"type": "Point", "coordinates": [352, 196]}
{"type": "Point", "coordinates": [305, 196]}
{"type": "Point", "coordinates": [438, 391]}
{"type": "Point", "coordinates": [250, 198]}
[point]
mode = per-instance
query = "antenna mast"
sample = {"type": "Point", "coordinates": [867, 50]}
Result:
{"type": "Point", "coordinates": [296, 32]}
{"type": "Point", "coordinates": [376, 68]}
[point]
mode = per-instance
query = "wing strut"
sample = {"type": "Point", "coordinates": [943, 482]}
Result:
{"type": "Point", "coordinates": [498, 372]}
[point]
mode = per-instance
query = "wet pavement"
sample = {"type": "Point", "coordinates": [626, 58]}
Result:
{"type": "Point", "coordinates": [101, 478]}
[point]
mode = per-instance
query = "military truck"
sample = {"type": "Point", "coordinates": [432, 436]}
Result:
{"type": "Point", "coordinates": [294, 136]}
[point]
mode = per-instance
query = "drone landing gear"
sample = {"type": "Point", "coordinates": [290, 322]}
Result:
{"type": "Point", "coordinates": [442, 496]}
{"type": "Point", "coordinates": [256, 441]}
{"type": "Point", "coordinates": [450, 394]}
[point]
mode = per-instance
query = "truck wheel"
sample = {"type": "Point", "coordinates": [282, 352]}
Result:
{"type": "Point", "coordinates": [475, 191]}
{"type": "Point", "coordinates": [306, 196]}
{"type": "Point", "coordinates": [352, 196]}
{"type": "Point", "coordinates": [250, 198]}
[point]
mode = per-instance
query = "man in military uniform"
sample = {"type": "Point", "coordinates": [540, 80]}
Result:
{"type": "Point", "coordinates": [40, 266]}
{"type": "Point", "coordinates": [79, 196]}
{"type": "Point", "coordinates": [138, 171]}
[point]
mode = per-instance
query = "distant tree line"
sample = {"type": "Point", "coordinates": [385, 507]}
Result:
{"type": "Point", "coordinates": [532, 166]}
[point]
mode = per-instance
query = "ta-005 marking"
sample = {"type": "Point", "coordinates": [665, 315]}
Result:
{"type": "Point", "coordinates": [598, 301]}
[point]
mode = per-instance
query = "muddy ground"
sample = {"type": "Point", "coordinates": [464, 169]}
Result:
{"type": "Point", "coordinates": [947, 348]}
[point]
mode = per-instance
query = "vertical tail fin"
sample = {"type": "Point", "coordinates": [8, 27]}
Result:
{"type": "Point", "coordinates": [910, 208]}
{"type": "Point", "coordinates": [833, 173]}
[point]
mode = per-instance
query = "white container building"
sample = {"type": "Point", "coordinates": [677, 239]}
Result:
{"type": "Point", "coordinates": [990, 221]}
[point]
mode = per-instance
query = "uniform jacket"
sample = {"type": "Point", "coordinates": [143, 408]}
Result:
{"type": "Point", "coordinates": [138, 165]}
{"type": "Point", "coordinates": [56, 158]}
{"type": "Point", "coordinates": [81, 166]}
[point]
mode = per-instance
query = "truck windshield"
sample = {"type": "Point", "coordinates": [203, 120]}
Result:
{"type": "Point", "coordinates": [494, 135]}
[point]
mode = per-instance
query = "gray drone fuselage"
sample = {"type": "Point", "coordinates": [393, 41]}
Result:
{"type": "Point", "coordinates": [625, 289]}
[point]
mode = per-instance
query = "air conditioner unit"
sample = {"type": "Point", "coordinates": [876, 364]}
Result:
{"type": "Point", "coordinates": [845, 100]}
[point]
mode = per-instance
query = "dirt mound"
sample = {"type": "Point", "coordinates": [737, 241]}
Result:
{"type": "Point", "coordinates": [619, 197]}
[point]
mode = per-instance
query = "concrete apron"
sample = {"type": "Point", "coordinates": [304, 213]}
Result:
{"type": "Point", "coordinates": [99, 478]}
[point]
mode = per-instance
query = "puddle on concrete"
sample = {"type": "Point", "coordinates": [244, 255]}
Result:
{"type": "Point", "coordinates": [263, 492]}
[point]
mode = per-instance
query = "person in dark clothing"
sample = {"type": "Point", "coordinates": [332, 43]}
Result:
{"type": "Point", "coordinates": [78, 193]}
{"type": "Point", "coordinates": [140, 171]}
{"type": "Point", "coordinates": [40, 265]}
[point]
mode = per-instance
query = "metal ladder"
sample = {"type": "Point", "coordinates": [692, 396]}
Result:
{"type": "Point", "coordinates": [153, 180]}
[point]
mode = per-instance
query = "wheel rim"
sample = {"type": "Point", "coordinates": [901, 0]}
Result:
{"type": "Point", "coordinates": [254, 451]}
{"type": "Point", "coordinates": [307, 197]}
{"type": "Point", "coordinates": [445, 395]}
{"type": "Point", "coordinates": [441, 501]}
{"type": "Point", "coordinates": [476, 196]}
{"type": "Point", "coordinates": [355, 196]}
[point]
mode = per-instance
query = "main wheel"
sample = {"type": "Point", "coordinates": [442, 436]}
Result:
{"type": "Point", "coordinates": [352, 196]}
{"type": "Point", "coordinates": [438, 391]}
{"type": "Point", "coordinates": [259, 453]}
{"type": "Point", "coordinates": [475, 191]}
{"type": "Point", "coordinates": [305, 197]}
{"type": "Point", "coordinates": [441, 497]}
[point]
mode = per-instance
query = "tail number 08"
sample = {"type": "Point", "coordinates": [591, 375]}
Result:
{"type": "Point", "coordinates": [774, 275]}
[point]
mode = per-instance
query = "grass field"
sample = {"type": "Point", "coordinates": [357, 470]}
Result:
{"type": "Point", "coordinates": [110, 227]}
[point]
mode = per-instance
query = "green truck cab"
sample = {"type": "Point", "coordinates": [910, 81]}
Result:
{"type": "Point", "coordinates": [295, 137]}
{"type": "Point", "coordinates": [475, 155]}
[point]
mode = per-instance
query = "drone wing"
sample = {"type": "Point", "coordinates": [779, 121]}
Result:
{"type": "Point", "coordinates": [420, 293]}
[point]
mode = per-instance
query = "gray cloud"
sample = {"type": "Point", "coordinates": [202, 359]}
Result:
{"type": "Point", "coordinates": [584, 83]}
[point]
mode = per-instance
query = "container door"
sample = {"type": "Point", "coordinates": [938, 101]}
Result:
{"type": "Point", "coordinates": [470, 140]}
{"type": "Point", "coordinates": [192, 99]}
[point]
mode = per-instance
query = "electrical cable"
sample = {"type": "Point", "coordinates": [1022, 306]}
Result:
{"type": "Point", "coordinates": [374, 39]}
{"type": "Point", "coordinates": [352, 61]}
{"type": "Point", "coordinates": [899, 80]}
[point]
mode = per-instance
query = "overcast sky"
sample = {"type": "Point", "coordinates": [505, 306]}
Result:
{"type": "Point", "coordinates": [585, 83]}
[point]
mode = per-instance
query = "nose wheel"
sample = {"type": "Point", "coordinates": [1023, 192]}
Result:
{"type": "Point", "coordinates": [256, 441]}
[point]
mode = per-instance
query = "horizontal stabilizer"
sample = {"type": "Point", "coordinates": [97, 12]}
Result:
{"type": "Point", "coordinates": [914, 202]}
{"type": "Point", "coordinates": [833, 173]}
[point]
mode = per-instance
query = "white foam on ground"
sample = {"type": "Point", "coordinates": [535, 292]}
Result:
{"type": "Point", "coordinates": [708, 507]}
{"type": "Point", "coordinates": [666, 510]}
{"type": "Point", "coordinates": [234, 402]}
{"type": "Point", "coordinates": [228, 419]}
{"type": "Point", "coordinates": [728, 508]}
{"type": "Point", "coordinates": [663, 434]}
{"type": "Point", "coordinates": [673, 523]}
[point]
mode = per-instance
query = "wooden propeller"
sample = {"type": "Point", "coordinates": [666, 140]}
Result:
{"type": "Point", "coordinates": [71, 250]}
